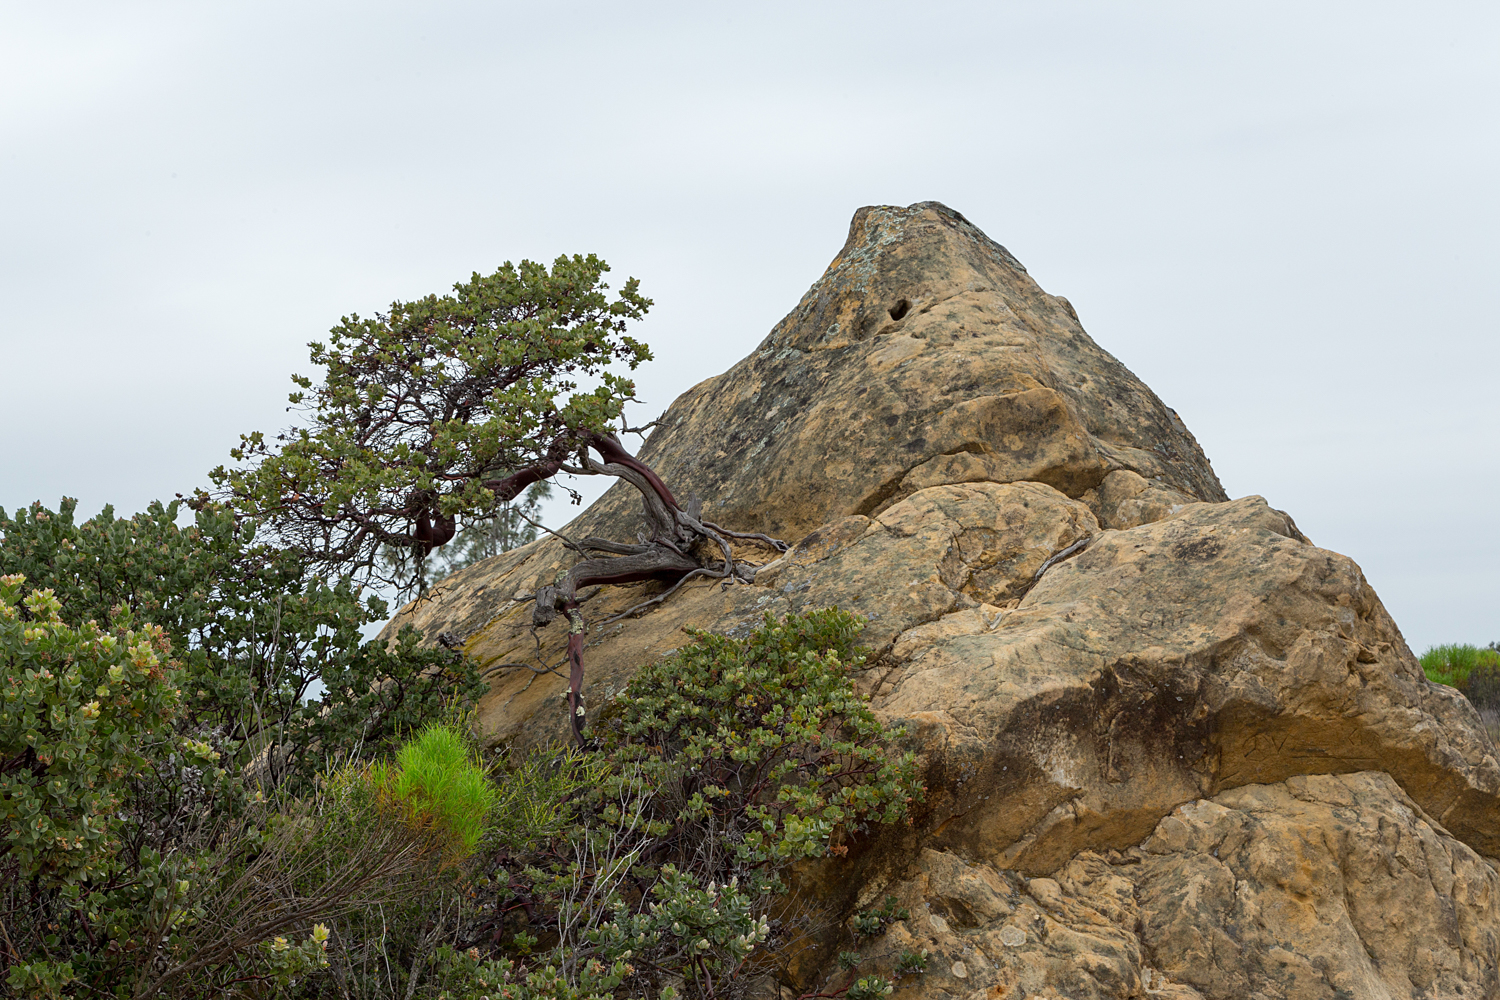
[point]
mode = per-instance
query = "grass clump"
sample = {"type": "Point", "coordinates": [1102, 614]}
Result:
{"type": "Point", "coordinates": [440, 783]}
{"type": "Point", "coordinates": [1452, 663]}
{"type": "Point", "coordinates": [1475, 671]}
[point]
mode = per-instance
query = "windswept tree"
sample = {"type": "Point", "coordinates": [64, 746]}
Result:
{"type": "Point", "coordinates": [445, 410]}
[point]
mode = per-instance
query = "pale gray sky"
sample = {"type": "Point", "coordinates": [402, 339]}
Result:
{"type": "Point", "coordinates": [1282, 216]}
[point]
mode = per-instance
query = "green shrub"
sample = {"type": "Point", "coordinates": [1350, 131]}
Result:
{"type": "Point", "coordinates": [439, 782]}
{"type": "Point", "coordinates": [82, 713]}
{"type": "Point", "coordinates": [763, 742]}
{"type": "Point", "coordinates": [89, 758]}
{"type": "Point", "coordinates": [251, 633]}
{"type": "Point", "coordinates": [1482, 687]}
{"type": "Point", "coordinates": [138, 858]}
{"type": "Point", "coordinates": [869, 923]}
{"type": "Point", "coordinates": [665, 845]}
{"type": "Point", "coordinates": [1452, 664]}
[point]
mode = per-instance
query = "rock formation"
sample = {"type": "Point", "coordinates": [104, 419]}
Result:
{"type": "Point", "coordinates": [1172, 748]}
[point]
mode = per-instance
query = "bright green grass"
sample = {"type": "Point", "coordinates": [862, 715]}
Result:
{"type": "Point", "coordinates": [440, 779]}
{"type": "Point", "coordinates": [1452, 664]}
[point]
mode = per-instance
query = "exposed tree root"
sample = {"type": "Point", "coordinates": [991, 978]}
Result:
{"type": "Point", "coordinates": [663, 551]}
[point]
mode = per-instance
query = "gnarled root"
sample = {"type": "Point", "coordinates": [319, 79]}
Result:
{"type": "Point", "coordinates": [662, 552]}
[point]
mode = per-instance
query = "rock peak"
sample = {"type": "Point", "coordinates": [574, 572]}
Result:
{"type": "Point", "coordinates": [1147, 717]}
{"type": "Point", "coordinates": [924, 354]}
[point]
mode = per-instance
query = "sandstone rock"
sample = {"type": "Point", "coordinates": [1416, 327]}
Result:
{"type": "Point", "coordinates": [1175, 659]}
{"type": "Point", "coordinates": [1319, 886]}
{"type": "Point", "coordinates": [1324, 886]}
{"type": "Point", "coordinates": [924, 355]}
{"type": "Point", "coordinates": [949, 549]}
{"type": "Point", "coordinates": [1174, 746]}
{"type": "Point", "coordinates": [1126, 500]}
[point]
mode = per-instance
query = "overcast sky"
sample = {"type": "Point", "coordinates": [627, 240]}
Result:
{"type": "Point", "coordinates": [1283, 217]}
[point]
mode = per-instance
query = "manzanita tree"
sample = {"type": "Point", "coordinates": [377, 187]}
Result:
{"type": "Point", "coordinates": [446, 408]}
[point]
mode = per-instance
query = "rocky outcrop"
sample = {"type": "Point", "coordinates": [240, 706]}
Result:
{"type": "Point", "coordinates": [1317, 886]}
{"type": "Point", "coordinates": [1171, 746]}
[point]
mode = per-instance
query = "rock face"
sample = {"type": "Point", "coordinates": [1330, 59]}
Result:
{"type": "Point", "coordinates": [1171, 747]}
{"type": "Point", "coordinates": [1318, 886]}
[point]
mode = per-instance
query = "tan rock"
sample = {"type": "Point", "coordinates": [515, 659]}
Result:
{"type": "Point", "coordinates": [945, 550]}
{"type": "Point", "coordinates": [1169, 661]}
{"type": "Point", "coordinates": [1091, 649]}
{"type": "Point", "coordinates": [1125, 499]}
{"type": "Point", "coordinates": [924, 355]}
{"type": "Point", "coordinates": [1324, 886]}
{"type": "Point", "coordinates": [1319, 886]}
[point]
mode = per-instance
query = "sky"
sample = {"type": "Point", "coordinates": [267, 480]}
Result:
{"type": "Point", "coordinates": [1283, 217]}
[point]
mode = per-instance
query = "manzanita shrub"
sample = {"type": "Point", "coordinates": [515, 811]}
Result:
{"type": "Point", "coordinates": [251, 630]}
{"type": "Point", "coordinates": [763, 744]}
{"type": "Point", "coordinates": [154, 683]}
{"type": "Point", "coordinates": [82, 713]}
{"type": "Point", "coordinates": [712, 773]}
{"type": "Point", "coordinates": [86, 719]}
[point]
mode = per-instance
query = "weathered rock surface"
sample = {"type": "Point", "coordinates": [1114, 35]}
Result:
{"type": "Point", "coordinates": [1171, 743]}
{"type": "Point", "coordinates": [1322, 886]}
{"type": "Point", "coordinates": [924, 355]}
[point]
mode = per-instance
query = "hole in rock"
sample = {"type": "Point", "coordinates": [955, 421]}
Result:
{"type": "Point", "coordinates": [900, 309]}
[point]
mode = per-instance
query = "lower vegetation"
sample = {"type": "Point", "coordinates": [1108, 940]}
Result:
{"type": "Point", "coordinates": [178, 818]}
{"type": "Point", "coordinates": [1474, 670]}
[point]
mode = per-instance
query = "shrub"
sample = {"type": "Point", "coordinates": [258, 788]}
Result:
{"type": "Point", "coordinates": [1482, 686]}
{"type": "Point", "coordinates": [250, 631]}
{"type": "Point", "coordinates": [372, 840]}
{"type": "Point", "coordinates": [1475, 671]}
{"type": "Point", "coordinates": [439, 784]}
{"type": "Point", "coordinates": [131, 859]}
{"type": "Point", "coordinates": [83, 712]}
{"type": "Point", "coordinates": [1452, 664]}
{"type": "Point", "coordinates": [664, 845]}
{"type": "Point", "coordinates": [763, 743]}
{"type": "Point", "coordinates": [98, 795]}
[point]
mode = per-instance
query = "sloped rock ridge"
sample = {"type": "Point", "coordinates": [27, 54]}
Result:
{"type": "Point", "coordinates": [1172, 748]}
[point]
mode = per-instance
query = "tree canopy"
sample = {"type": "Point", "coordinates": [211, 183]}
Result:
{"type": "Point", "coordinates": [448, 408]}
{"type": "Point", "coordinates": [441, 408]}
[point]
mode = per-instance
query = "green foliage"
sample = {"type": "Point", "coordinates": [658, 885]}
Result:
{"type": "Point", "coordinates": [424, 405]}
{"type": "Point", "coordinates": [126, 748]}
{"type": "Point", "coordinates": [466, 976]}
{"type": "Point", "coordinates": [441, 784]}
{"type": "Point", "coordinates": [651, 858]}
{"type": "Point", "coordinates": [88, 750]}
{"type": "Point", "coordinates": [538, 796]}
{"type": "Point", "coordinates": [41, 979]}
{"type": "Point", "coordinates": [82, 713]}
{"type": "Point", "coordinates": [868, 923]}
{"type": "Point", "coordinates": [766, 740]}
{"type": "Point", "coordinates": [250, 631]}
{"type": "Point", "coordinates": [1452, 664]}
{"type": "Point", "coordinates": [912, 962]}
{"type": "Point", "coordinates": [283, 963]}
{"type": "Point", "coordinates": [1473, 670]}
{"type": "Point", "coordinates": [226, 925]}
{"type": "Point", "coordinates": [869, 988]}
{"type": "Point", "coordinates": [714, 771]}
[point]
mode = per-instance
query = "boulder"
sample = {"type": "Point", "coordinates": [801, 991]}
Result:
{"type": "Point", "coordinates": [1171, 746]}
{"type": "Point", "coordinates": [1320, 886]}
